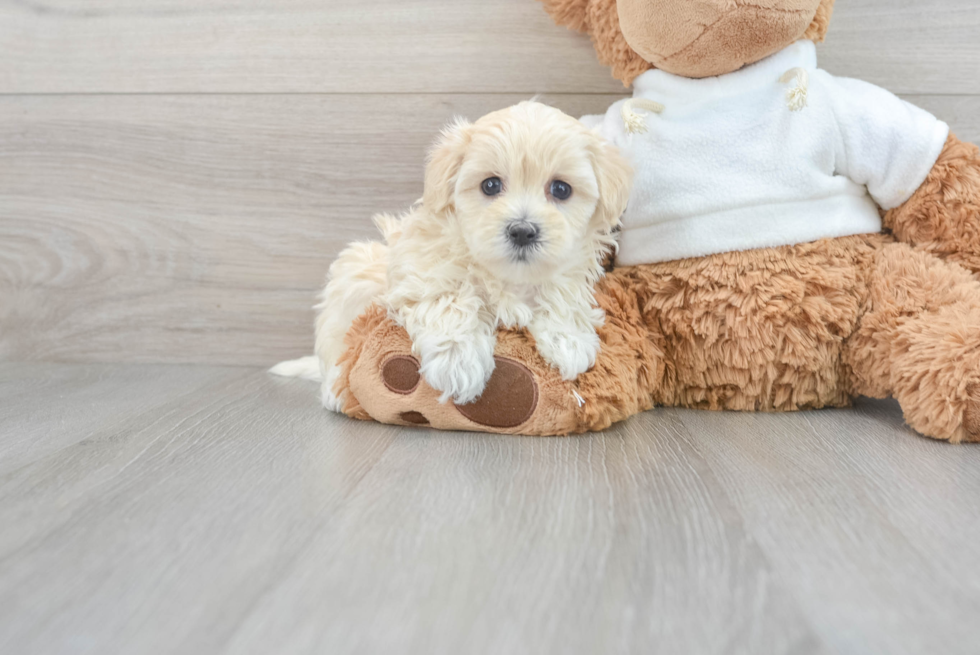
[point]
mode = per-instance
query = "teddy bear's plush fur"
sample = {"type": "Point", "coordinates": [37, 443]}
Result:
{"type": "Point", "coordinates": [774, 329]}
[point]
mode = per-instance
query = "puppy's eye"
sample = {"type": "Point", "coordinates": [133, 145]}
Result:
{"type": "Point", "coordinates": [491, 186]}
{"type": "Point", "coordinates": [561, 190]}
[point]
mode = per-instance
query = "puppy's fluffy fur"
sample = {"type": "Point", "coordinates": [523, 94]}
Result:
{"type": "Point", "coordinates": [449, 272]}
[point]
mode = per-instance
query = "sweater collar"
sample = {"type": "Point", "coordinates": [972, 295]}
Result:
{"type": "Point", "coordinates": [665, 87]}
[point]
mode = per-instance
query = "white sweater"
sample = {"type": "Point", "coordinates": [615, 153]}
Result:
{"type": "Point", "coordinates": [729, 166]}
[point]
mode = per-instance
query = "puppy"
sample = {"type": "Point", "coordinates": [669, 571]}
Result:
{"type": "Point", "coordinates": [517, 213]}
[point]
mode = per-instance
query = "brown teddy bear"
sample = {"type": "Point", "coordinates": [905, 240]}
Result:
{"type": "Point", "coordinates": [793, 240]}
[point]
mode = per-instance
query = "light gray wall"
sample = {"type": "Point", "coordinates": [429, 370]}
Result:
{"type": "Point", "coordinates": [175, 178]}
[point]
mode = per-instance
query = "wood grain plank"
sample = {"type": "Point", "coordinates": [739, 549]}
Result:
{"type": "Point", "coordinates": [616, 542]}
{"type": "Point", "coordinates": [906, 46]}
{"type": "Point", "coordinates": [298, 46]}
{"type": "Point", "coordinates": [873, 527]}
{"type": "Point", "coordinates": [47, 407]}
{"type": "Point", "coordinates": [244, 518]}
{"type": "Point", "coordinates": [444, 46]}
{"type": "Point", "coordinates": [198, 229]}
{"type": "Point", "coordinates": [168, 524]}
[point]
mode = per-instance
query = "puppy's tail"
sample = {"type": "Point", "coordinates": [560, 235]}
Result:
{"type": "Point", "coordinates": [307, 368]}
{"type": "Point", "coordinates": [357, 279]}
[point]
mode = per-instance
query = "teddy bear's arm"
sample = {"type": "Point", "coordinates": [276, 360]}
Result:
{"type": "Point", "coordinates": [943, 215]}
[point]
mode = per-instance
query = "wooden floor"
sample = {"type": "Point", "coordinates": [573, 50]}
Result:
{"type": "Point", "coordinates": [191, 509]}
{"type": "Point", "coordinates": [176, 176]}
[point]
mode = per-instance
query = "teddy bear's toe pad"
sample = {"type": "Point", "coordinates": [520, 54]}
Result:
{"type": "Point", "coordinates": [415, 418]}
{"type": "Point", "coordinates": [508, 400]}
{"type": "Point", "coordinates": [401, 374]}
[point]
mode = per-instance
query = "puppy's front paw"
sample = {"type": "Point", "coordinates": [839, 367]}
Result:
{"type": "Point", "coordinates": [459, 369]}
{"type": "Point", "coordinates": [571, 352]}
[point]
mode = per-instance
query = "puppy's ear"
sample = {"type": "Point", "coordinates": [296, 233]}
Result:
{"type": "Point", "coordinates": [615, 177]}
{"type": "Point", "coordinates": [443, 166]}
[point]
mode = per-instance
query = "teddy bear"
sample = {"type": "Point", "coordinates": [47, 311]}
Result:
{"type": "Point", "coordinates": [793, 240]}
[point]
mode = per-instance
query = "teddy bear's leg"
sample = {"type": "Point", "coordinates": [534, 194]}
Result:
{"type": "Point", "coordinates": [525, 395]}
{"type": "Point", "coordinates": [943, 216]}
{"type": "Point", "coordinates": [919, 341]}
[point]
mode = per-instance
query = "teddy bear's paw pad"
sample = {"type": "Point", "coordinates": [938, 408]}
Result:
{"type": "Point", "coordinates": [971, 415]}
{"type": "Point", "coordinates": [413, 417]}
{"type": "Point", "coordinates": [401, 375]}
{"type": "Point", "coordinates": [508, 400]}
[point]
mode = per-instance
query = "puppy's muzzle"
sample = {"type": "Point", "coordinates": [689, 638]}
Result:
{"type": "Point", "coordinates": [523, 234]}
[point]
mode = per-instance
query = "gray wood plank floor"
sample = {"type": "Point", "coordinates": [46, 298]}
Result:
{"type": "Point", "coordinates": [183, 509]}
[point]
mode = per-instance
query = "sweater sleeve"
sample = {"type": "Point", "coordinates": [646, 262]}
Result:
{"type": "Point", "coordinates": [886, 144]}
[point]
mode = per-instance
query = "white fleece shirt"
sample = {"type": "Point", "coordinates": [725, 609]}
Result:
{"type": "Point", "coordinates": [728, 166]}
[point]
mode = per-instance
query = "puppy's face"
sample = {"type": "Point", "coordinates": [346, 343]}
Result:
{"type": "Point", "coordinates": [530, 188]}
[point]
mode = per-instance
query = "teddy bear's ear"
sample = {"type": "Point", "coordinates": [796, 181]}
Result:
{"type": "Point", "coordinates": [818, 28]}
{"type": "Point", "coordinates": [615, 177]}
{"type": "Point", "coordinates": [600, 19]}
{"type": "Point", "coordinates": [573, 14]}
{"type": "Point", "coordinates": [610, 45]}
{"type": "Point", "coordinates": [443, 166]}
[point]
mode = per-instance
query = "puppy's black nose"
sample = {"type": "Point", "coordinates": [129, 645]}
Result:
{"type": "Point", "coordinates": [522, 234]}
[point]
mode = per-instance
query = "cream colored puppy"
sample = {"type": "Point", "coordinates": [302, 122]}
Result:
{"type": "Point", "coordinates": [515, 218]}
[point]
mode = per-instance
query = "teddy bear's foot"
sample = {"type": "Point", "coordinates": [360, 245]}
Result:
{"type": "Point", "coordinates": [508, 401]}
{"type": "Point", "coordinates": [920, 342]}
{"type": "Point", "coordinates": [524, 394]}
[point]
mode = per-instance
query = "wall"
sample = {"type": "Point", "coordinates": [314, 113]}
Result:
{"type": "Point", "coordinates": [176, 175]}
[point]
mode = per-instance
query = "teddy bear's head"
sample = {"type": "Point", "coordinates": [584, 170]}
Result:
{"type": "Point", "coordinates": [691, 38]}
